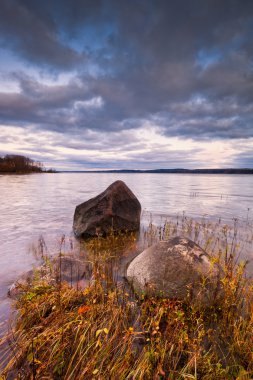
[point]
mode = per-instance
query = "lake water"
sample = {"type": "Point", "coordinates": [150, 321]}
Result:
{"type": "Point", "coordinates": [44, 204]}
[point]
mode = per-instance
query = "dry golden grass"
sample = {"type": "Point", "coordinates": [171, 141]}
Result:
{"type": "Point", "coordinates": [106, 332]}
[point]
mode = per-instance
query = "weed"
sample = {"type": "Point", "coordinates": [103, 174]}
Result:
{"type": "Point", "coordinates": [104, 331]}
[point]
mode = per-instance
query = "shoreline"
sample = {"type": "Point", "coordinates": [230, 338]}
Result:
{"type": "Point", "coordinates": [166, 171]}
{"type": "Point", "coordinates": [114, 331]}
{"type": "Point", "coordinates": [28, 172]}
{"type": "Point", "coordinates": [80, 310]}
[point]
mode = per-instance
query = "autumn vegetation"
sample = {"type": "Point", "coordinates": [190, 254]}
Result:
{"type": "Point", "coordinates": [105, 331]}
{"type": "Point", "coordinates": [20, 164]}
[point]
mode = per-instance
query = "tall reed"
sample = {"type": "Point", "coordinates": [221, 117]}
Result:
{"type": "Point", "coordinates": [105, 331]}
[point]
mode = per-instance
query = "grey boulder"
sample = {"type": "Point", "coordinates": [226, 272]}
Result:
{"type": "Point", "coordinates": [116, 209]}
{"type": "Point", "coordinates": [177, 268]}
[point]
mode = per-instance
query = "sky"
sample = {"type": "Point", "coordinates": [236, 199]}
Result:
{"type": "Point", "coordinates": [136, 84]}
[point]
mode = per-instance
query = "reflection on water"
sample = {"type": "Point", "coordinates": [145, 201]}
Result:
{"type": "Point", "coordinates": [44, 204]}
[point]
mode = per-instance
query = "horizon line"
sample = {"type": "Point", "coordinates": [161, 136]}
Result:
{"type": "Point", "coordinates": [174, 170]}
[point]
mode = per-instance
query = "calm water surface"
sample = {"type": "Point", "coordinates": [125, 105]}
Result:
{"type": "Point", "coordinates": [44, 204]}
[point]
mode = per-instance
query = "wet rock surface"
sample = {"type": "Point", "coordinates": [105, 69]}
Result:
{"type": "Point", "coordinates": [115, 209]}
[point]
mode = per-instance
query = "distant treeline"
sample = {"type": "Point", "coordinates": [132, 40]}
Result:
{"type": "Point", "coordinates": [196, 171]}
{"type": "Point", "coordinates": [183, 171]}
{"type": "Point", "coordinates": [12, 163]}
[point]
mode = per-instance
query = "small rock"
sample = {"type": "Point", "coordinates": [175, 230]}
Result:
{"type": "Point", "coordinates": [65, 268]}
{"type": "Point", "coordinates": [17, 288]}
{"type": "Point", "coordinates": [71, 269]}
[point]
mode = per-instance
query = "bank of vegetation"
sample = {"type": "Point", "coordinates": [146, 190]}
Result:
{"type": "Point", "coordinates": [105, 331]}
{"type": "Point", "coordinates": [12, 163]}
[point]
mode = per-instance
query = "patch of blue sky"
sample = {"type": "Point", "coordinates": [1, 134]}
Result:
{"type": "Point", "coordinates": [91, 41]}
{"type": "Point", "coordinates": [11, 66]}
{"type": "Point", "coordinates": [89, 38]}
{"type": "Point", "coordinates": [9, 61]}
{"type": "Point", "coordinates": [208, 57]}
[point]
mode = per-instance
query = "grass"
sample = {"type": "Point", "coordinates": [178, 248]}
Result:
{"type": "Point", "coordinates": [104, 331]}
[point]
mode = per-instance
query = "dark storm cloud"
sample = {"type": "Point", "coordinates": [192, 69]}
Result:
{"type": "Point", "coordinates": [33, 36]}
{"type": "Point", "coordinates": [183, 65]}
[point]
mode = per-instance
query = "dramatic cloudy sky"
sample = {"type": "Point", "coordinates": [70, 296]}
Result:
{"type": "Point", "coordinates": [127, 83]}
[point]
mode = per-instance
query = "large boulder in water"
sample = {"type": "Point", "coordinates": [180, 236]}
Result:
{"type": "Point", "coordinates": [116, 209]}
{"type": "Point", "coordinates": [176, 268]}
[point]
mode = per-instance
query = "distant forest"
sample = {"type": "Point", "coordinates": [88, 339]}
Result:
{"type": "Point", "coordinates": [171, 171]}
{"type": "Point", "coordinates": [20, 164]}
